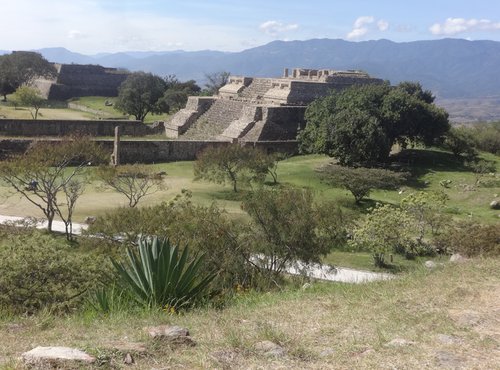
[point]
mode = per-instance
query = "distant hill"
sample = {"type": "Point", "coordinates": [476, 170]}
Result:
{"type": "Point", "coordinates": [451, 68]}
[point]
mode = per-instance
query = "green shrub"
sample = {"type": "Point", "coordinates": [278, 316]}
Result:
{"type": "Point", "coordinates": [288, 226]}
{"type": "Point", "coordinates": [161, 275]}
{"type": "Point", "coordinates": [461, 142]}
{"type": "Point", "coordinates": [205, 229]}
{"type": "Point", "coordinates": [471, 239]}
{"type": "Point", "coordinates": [39, 271]}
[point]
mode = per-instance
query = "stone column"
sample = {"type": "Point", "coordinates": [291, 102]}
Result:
{"type": "Point", "coordinates": [285, 73]}
{"type": "Point", "coordinates": [115, 157]}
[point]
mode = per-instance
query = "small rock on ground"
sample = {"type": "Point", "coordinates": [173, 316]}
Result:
{"type": "Point", "coordinates": [399, 342]}
{"type": "Point", "coordinates": [430, 264]}
{"type": "Point", "coordinates": [269, 349]}
{"type": "Point", "coordinates": [171, 334]}
{"type": "Point", "coordinates": [56, 355]}
{"type": "Point", "coordinates": [456, 257]}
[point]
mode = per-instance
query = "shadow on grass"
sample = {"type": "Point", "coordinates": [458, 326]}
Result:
{"type": "Point", "coordinates": [423, 161]}
{"type": "Point", "coordinates": [362, 207]}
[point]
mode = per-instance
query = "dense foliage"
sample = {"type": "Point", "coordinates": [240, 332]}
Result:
{"type": "Point", "coordinates": [360, 124]}
{"type": "Point", "coordinates": [287, 226]}
{"type": "Point", "coordinates": [143, 93]}
{"type": "Point", "coordinates": [205, 229]}
{"type": "Point", "coordinates": [466, 140]}
{"type": "Point", "coordinates": [40, 271]}
{"type": "Point", "coordinates": [471, 239]}
{"type": "Point", "coordinates": [235, 164]}
{"type": "Point", "coordinates": [409, 229]}
{"type": "Point", "coordinates": [22, 67]}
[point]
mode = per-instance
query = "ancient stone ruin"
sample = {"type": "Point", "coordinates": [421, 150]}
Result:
{"type": "Point", "coordinates": [75, 80]}
{"type": "Point", "coordinates": [259, 109]}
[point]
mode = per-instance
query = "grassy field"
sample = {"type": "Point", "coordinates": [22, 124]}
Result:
{"type": "Point", "coordinates": [59, 110]}
{"type": "Point", "coordinates": [466, 200]}
{"type": "Point", "coordinates": [443, 318]}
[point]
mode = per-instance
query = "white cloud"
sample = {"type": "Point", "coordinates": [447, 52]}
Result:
{"type": "Point", "coordinates": [87, 26]}
{"type": "Point", "coordinates": [357, 33]}
{"type": "Point", "coordinates": [453, 26]}
{"type": "Point", "coordinates": [274, 28]}
{"type": "Point", "coordinates": [75, 34]}
{"type": "Point", "coordinates": [382, 25]}
{"type": "Point", "coordinates": [361, 21]}
{"type": "Point", "coordinates": [364, 24]}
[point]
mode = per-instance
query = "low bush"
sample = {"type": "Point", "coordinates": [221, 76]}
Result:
{"type": "Point", "coordinates": [471, 239]}
{"type": "Point", "coordinates": [360, 181]}
{"type": "Point", "coordinates": [40, 271]}
{"type": "Point", "coordinates": [205, 229]}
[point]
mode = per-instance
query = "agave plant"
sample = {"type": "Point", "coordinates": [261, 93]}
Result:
{"type": "Point", "coordinates": [162, 275]}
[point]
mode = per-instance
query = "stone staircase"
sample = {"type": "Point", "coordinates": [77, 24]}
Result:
{"type": "Point", "coordinates": [256, 90]}
{"type": "Point", "coordinates": [215, 120]}
{"type": "Point", "coordinates": [236, 129]}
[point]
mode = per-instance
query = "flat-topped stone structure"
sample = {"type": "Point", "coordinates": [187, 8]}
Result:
{"type": "Point", "coordinates": [260, 109]}
{"type": "Point", "coordinates": [75, 80]}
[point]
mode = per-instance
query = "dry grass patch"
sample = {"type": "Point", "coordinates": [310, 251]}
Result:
{"type": "Point", "coordinates": [412, 322]}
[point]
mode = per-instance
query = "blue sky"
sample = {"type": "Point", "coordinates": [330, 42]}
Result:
{"type": "Point", "coordinates": [93, 26]}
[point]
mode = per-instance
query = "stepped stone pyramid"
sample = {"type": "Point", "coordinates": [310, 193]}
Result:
{"type": "Point", "coordinates": [259, 109]}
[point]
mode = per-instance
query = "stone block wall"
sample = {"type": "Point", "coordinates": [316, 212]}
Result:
{"type": "Point", "coordinates": [141, 151]}
{"type": "Point", "coordinates": [31, 128]}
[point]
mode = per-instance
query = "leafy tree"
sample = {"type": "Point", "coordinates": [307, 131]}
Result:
{"type": "Point", "coordinates": [30, 97]}
{"type": "Point", "coordinates": [460, 142]}
{"type": "Point", "coordinates": [177, 93]}
{"type": "Point", "coordinates": [383, 230]}
{"type": "Point", "coordinates": [288, 227]}
{"type": "Point", "coordinates": [20, 68]}
{"type": "Point", "coordinates": [360, 181]}
{"type": "Point", "coordinates": [427, 211]}
{"type": "Point", "coordinates": [233, 163]}
{"type": "Point", "coordinates": [46, 170]}
{"type": "Point", "coordinates": [215, 81]}
{"type": "Point", "coordinates": [141, 94]}
{"type": "Point", "coordinates": [133, 181]}
{"type": "Point", "coordinates": [361, 123]}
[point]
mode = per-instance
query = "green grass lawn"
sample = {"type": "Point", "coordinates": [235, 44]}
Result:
{"type": "Point", "coordinates": [98, 103]}
{"type": "Point", "coordinates": [59, 110]}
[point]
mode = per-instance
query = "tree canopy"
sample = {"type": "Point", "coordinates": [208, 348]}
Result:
{"type": "Point", "coordinates": [360, 124]}
{"type": "Point", "coordinates": [22, 67]}
{"type": "Point", "coordinates": [30, 97]}
{"type": "Point", "coordinates": [143, 93]}
{"type": "Point", "coordinates": [139, 95]}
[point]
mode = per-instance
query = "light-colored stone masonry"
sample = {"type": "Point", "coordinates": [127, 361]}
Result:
{"type": "Point", "coordinates": [259, 109]}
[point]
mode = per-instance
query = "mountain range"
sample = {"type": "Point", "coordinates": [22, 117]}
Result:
{"type": "Point", "coordinates": [451, 68]}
